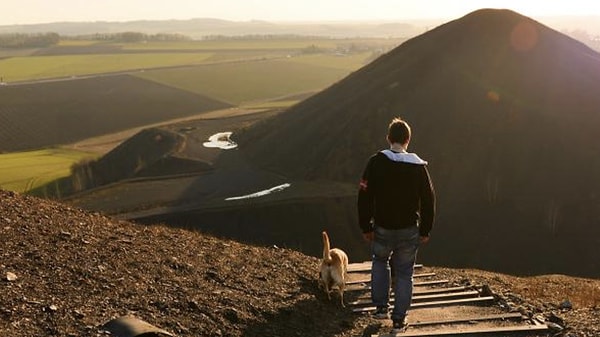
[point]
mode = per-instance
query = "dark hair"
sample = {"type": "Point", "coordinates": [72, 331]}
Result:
{"type": "Point", "coordinates": [398, 131]}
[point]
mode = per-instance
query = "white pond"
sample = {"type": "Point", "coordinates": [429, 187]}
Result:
{"type": "Point", "coordinates": [221, 140]}
{"type": "Point", "coordinates": [262, 193]}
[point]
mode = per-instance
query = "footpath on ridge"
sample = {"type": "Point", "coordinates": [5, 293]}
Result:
{"type": "Point", "coordinates": [440, 308]}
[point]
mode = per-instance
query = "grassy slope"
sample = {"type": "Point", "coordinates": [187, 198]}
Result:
{"type": "Point", "coordinates": [23, 171]}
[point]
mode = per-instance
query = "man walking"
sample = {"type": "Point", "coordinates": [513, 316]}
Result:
{"type": "Point", "coordinates": [396, 208]}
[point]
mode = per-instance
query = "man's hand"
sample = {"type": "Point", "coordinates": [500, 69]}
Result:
{"type": "Point", "coordinates": [424, 239]}
{"type": "Point", "coordinates": [369, 236]}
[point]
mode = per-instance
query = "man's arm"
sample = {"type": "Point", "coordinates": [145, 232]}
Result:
{"type": "Point", "coordinates": [427, 211]}
{"type": "Point", "coordinates": [365, 201]}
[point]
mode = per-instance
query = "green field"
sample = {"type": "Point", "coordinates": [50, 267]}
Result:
{"type": "Point", "coordinates": [252, 82]}
{"type": "Point", "coordinates": [235, 44]}
{"type": "Point", "coordinates": [77, 43]}
{"type": "Point", "coordinates": [24, 171]}
{"type": "Point", "coordinates": [20, 65]}
{"type": "Point", "coordinates": [42, 67]}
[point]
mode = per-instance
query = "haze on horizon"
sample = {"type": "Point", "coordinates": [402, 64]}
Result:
{"type": "Point", "coordinates": [43, 11]}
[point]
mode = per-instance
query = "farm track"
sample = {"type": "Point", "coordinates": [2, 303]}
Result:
{"type": "Point", "coordinates": [161, 51]}
{"type": "Point", "coordinates": [105, 143]}
{"type": "Point", "coordinates": [140, 70]}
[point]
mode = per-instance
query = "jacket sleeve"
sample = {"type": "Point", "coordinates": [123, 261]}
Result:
{"type": "Point", "coordinates": [427, 209]}
{"type": "Point", "coordinates": [366, 199]}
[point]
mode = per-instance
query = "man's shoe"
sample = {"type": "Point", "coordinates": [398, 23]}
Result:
{"type": "Point", "coordinates": [381, 313]}
{"type": "Point", "coordinates": [399, 326]}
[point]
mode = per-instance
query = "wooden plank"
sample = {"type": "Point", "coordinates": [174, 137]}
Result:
{"type": "Point", "coordinates": [415, 284]}
{"type": "Point", "coordinates": [368, 280]}
{"type": "Point", "coordinates": [470, 293]}
{"type": "Point", "coordinates": [452, 302]}
{"type": "Point", "coordinates": [435, 303]}
{"type": "Point", "coordinates": [358, 267]}
{"type": "Point", "coordinates": [473, 293]}
{"type": "Point", "coordinates": [417, 292]}
{"type": "Point", "coordinates": [512, 315]}
{"type": "Point", "coordinates": [468, 331]}
{"type": "Point", "coordinates": [366, 266]}
{"type": "Point", "coordinates": [429, 283]}
{"type": "Point", "coordinates": [440, 290]}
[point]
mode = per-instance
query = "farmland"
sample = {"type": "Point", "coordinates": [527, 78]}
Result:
{"type": "Point", "coordinates": [238, 83]}
{"type": "Point", "coordinates": [24, 171]}
{"type": "Point", "coordinates": [79, 58]}
{"type": "Point", "coordinates": [83, 89]}
{"type": "Point", "coordinates": [44, 67]}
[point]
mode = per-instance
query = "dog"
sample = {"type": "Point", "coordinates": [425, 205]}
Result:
{"type": "Point", "coordinates": [333, 269]}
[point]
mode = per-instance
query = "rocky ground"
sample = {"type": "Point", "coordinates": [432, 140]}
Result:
{"type": "Point", "coordinates": [66, 272]}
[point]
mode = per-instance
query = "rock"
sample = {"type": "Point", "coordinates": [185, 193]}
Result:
{"type": "Point", "coordinates": [51, 308]}
{"type": "Point", "coordinates": [487, 291]}
{"type": "Point", "coordinates": [566, 305]}
{"type": "Point", "coordinates": [11, 277]}
{"type": "Point", "coordinates": [78, 314]}
{"type": "Point", "coordinates": [521, 309]}
{"type": "Point", "coordinates": [554, 327]}
{"type": "Point", "coordinates": [554, 318]}
{"type": "Point", "coordinates": [232, 315]}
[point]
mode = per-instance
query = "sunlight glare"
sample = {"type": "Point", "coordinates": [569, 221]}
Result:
{"type": "Point", "coordinates": [524, 36]}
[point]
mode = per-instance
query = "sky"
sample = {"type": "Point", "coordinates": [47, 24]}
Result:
{"type": "Point", "coordinates": [44, 11]}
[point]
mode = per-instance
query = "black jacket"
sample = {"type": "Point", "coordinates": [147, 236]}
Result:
{"type": "Point", "coordinates": [396, 192]}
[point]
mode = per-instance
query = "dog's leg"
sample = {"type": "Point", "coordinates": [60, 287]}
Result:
{"type": "Point", "coordinates": [341, 291]}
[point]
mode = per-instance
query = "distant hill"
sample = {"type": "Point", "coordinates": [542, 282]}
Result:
{"type": "Point", "coordinates": [505, 110]}
{"type": "Point", "coordinates": [202, 27]}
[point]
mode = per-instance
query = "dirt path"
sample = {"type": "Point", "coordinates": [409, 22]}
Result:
{"type": "Point", "coordinates": [105, 143]}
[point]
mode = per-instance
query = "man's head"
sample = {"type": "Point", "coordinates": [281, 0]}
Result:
{"type": "Point", "coordinates": [398, 132]}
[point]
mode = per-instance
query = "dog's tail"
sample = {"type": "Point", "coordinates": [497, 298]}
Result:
{"type": "Point", "coordinates": [326, 247]}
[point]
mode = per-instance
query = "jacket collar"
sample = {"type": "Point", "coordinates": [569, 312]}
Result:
{"type": "Point", "coordinates": [403, 157]}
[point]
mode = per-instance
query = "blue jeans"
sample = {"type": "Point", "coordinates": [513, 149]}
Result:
{"type": "Point", "coordinates": [401, 246]}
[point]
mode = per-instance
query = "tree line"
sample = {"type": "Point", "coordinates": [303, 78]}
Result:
{"type": "Point", "coordinates": [20, 40]}
{"type": "Point", "coordinates": [131, 37]}
{"type": "Point", "coordinates": [42, 40]}
{"type": "Point", "coordinates": [216, 37]}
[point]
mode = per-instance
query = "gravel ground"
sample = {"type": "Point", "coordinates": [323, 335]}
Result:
{"type": "Point", "coordinates": [66, 272]}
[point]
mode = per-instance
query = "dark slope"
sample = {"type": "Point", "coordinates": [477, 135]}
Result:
{"type": "Point", "coordinates": [52, 113]}
{"type": "Point", "coordinates": [444, 82]}
{"type": "Point", "coordinates": [150, 152]}
{"type": "Point", "coordinates": [506, 110]}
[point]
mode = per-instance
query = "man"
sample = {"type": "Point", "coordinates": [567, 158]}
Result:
{"type": "Point", "coordinates": [396, 207]}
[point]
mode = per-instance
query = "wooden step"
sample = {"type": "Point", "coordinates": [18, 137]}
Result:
{"type": "Point", "coordinates": [368, 280]}
{"type": "Point", "coordinates": [435, 303]}
{"type": "Point", "coordinates": [424, 298]}
{"type": "Point", "coordinates": [507, 316]}
{"type": "Point", "coordinates": [468, 331]}
{"type": "Point", "coordinates": [419, 291]}
{"type": "Point", "coordinates": [357, 287]}
{"type": "Point", "coordinates": [366, 266]}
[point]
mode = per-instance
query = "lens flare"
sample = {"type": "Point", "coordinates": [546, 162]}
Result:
{"type": "Point", "coordinates": [524, 36]}
{"type": "Point", "coordinates": [493, 96]}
